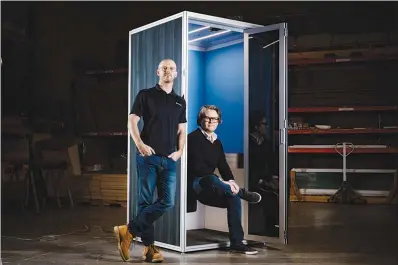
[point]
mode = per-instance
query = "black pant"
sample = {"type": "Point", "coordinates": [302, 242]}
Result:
{"type": "Point", "coordinates": [213, 192]}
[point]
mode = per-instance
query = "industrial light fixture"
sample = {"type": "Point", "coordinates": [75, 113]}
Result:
{"type": "Point", "coordinates": [197, 30]}
{"type": "Point", "coordinates": [210, 36]}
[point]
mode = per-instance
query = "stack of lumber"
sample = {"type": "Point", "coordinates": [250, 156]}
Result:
{"type": "Point", "coordinates": [104, 189]}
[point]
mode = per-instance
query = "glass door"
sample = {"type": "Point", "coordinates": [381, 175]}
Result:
{"type": "Point", "coordinates": [265, 59]}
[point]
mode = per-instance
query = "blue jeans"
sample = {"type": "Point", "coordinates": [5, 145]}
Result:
{"type": "Point", "coordinates": [153, 171]}
{"type": "Point", "coordinates": [213, 192]}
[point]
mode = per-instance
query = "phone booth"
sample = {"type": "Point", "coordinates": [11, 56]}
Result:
{"type": "Point", "coordinates": [241, 68]}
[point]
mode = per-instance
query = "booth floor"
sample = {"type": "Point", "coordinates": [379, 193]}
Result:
{"type": "Point", "coordinates": [319, 234]}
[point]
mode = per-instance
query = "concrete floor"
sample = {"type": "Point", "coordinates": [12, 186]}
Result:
{"type": "Point", "coordinates": [319, 234]}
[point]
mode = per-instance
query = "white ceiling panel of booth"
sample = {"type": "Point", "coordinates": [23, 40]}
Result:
{"type": "Point", "coordinates": [207, 37]}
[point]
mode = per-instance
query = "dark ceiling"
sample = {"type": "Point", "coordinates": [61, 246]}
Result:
{"type": "Point", "coordinates": [303, 17]}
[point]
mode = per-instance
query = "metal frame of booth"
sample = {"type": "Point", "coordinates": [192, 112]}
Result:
{"type": "Point", "coordinates": [246, 29]}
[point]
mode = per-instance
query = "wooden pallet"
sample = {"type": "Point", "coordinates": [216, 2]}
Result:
{"type": "Point", "coordinates": [104, 189]}
{"type": "Point", "coordinates": [102, 203]}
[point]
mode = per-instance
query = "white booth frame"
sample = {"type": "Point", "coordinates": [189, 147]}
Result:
{"type": "Point", "coordinates": [247, 29]}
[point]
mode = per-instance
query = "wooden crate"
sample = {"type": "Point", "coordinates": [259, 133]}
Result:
{"type": "Point", "coordinates": [105, 189]}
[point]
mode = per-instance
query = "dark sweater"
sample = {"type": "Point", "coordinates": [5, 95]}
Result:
{"type": "Point", "coordinates": [204, 157]}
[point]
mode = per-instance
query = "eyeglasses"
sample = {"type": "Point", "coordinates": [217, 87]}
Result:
{"type": "Point", "coordinates": [211, 119]}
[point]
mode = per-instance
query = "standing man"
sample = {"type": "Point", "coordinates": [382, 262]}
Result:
{"type": "Point", "coordinates": [159, 146]}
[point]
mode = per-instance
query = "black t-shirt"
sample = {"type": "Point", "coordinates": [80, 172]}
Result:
{"type": "Point", "coordinates": [161, 113]}
{"type": "Point", "coordinates": [204, 157]}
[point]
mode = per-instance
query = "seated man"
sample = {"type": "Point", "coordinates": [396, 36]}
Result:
{"type": "Point", "coordinates": [205, 154]}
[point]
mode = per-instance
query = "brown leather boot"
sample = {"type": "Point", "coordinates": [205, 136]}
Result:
{"type": "Point", "coordinates": [124, 239]}
{"type": "Point", "coordinates": [152, 254]}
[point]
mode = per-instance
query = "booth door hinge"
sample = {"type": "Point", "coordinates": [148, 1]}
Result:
{"type": "Point", "coordinates": [282, 132]}
{"type": "Point", "coordinates": [282, 137]}
{"type": "Point", "coordinates": [285, 32]}
{"type": "Point", "coordinates": [285, 235]}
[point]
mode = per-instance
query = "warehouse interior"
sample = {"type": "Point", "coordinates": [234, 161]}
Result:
{"type": "Point", "coordinates": [64, 136]}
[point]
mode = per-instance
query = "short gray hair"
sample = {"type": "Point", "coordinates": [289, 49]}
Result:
{"type": "Point", "coordinates": [202, 110]}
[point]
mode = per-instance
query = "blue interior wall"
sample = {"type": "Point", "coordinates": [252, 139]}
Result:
{"type": "Point", "coordinates": [196, 86]}
{"type": "Point", "coordinates": [224, 88]}
{"type": "Point", "coordinates": [216, 78]}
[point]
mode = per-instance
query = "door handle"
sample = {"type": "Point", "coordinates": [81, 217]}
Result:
{"type": "Point", "coordinates": [282, 139]}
